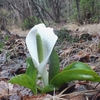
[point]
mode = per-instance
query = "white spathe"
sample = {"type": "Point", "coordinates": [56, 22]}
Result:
{"type": "Point", "coordinates": [48, 41]}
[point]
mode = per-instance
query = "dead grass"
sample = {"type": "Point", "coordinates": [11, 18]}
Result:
{"type": "Point", "coordinates": [89, 28]}
{"type": "Point", "coordinates": [19, 32]}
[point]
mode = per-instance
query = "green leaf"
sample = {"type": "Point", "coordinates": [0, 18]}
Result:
{"type": "Point", "coordinates": [49, 88]}
{"type": "Point", "coordinates": [32, 73]}
{"type": "Point", "coordinates": [77, 65]}
{"type": "Point", "coordinates": [54, 67]}
{"type": "Point", "coordinates": [31, 70]}
{"type": "Point", "coordinates": [39, 88]}
{"type": "Point", "coordinates": [74, 74]}
{"type": "Point", "coordinates": [29, 79]}
{"type": "Point", "coordinates": [23, 80]}
{"type": "Point", "coordinates": [39, 48]}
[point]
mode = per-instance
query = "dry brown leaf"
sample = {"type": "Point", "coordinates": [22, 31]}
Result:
{"type": "Point", "coordinates": [7, 89]}
{"type": "Point", "coordinates": [38, 97]}
{"type": "Point", "coordinates": [65, 52]}
{"type": "Point", "coordinates": [77, 97]}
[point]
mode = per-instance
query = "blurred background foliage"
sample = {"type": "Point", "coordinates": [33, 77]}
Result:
{"type": "Point", "coordinates": [27, 13]}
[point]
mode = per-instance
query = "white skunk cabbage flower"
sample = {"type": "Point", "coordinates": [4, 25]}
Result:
{"type": "Point", "coordinates": [40, 42]}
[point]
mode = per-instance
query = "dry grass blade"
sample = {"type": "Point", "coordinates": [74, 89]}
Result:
{"type": "Point", "coordinates": [62, 96]}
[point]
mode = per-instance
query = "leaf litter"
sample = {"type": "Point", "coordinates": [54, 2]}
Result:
{"type": "Point", "coordinates": [13, 62]}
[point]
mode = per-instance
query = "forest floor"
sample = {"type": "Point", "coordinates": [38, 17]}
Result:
{"type": "Point", "coordinates": [13, 54]}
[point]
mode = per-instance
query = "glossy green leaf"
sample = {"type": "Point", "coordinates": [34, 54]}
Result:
{"type": "Point", "coordinates": [24, 80]}
{"type": "Point", "coordinates": [49, 88]}
{"type": "Point", "coordinates": [77, 65]}
{"type": "Point", "coordinates": [39, 88]}
{"type": "Point", "coordinates": [29, 79]}
{"type": "Point", "coordinates": [32, 73]}
{"type": "Point", "coordinates": [74, 74]}
{"type": "Point", "coordinates": [31, 70]}
{"type": "Point", "coordinates": [54, 67]}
